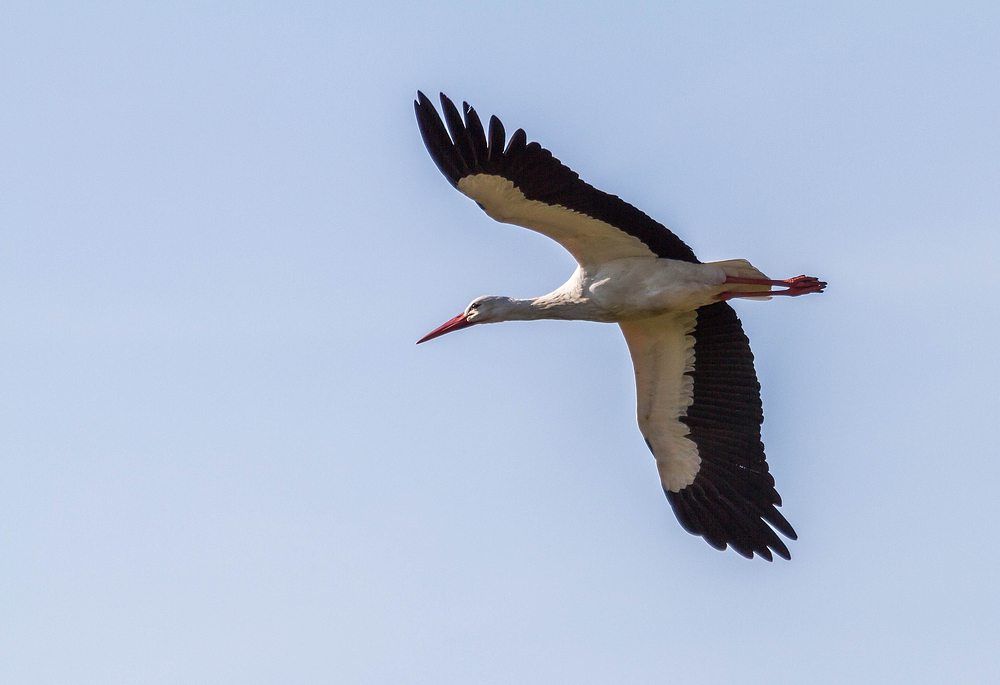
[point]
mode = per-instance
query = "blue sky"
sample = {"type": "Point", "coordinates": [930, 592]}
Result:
{"type": "Point", "coordinates": [225, 460]}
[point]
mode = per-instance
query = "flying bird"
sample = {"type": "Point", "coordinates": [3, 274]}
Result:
{"type": "Point", "coordinates": [698, 398]}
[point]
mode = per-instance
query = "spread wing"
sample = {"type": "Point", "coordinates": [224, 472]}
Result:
{"type": "Point", "coordinates": [700, 412]}
{"type": "Point", "coordinates": [525, 185]}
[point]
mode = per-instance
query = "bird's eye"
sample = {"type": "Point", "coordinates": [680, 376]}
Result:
{"type": "Point", "coordinates": [474, 305]}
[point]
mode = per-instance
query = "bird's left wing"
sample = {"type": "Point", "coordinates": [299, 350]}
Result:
{"type": "Point", "coordinates": [525, 185]}
{"type": "Point", "coordinates": [700, 412]}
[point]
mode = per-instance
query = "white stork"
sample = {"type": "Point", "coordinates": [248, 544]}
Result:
{"type": "Point", "coordinates": [698, 397]}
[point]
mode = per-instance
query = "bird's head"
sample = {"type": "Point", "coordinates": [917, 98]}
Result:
{"type": "Point", "coordinates": [486, 309]}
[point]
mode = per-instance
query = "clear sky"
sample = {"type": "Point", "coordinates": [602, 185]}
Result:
{"type": "Point", "coordinates": [224, 460]}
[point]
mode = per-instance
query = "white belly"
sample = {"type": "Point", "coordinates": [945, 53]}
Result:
{"type": "Point", "coordinates": [645, 286]}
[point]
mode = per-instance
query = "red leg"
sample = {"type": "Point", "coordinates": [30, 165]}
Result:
{"type": "Point", "coordinates": [800, 285]}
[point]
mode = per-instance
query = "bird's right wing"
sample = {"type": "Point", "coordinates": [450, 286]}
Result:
{"type": "Point", "coordinates": [525, 185]}
{"type": "Point", "coordinates": [699, 409]}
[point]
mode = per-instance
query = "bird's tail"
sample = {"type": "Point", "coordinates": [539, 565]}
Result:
{"type": "Point", "coordinates": [741, 268]}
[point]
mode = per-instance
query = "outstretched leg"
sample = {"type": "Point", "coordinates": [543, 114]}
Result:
{"type": "Point", "coordinates": [800, 285]}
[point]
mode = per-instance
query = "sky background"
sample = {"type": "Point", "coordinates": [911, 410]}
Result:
{"type": "Point", "coordinates": [224, 460]}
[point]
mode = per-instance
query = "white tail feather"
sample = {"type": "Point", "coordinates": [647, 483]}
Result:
{"type": "Point", "coordinates": [741, 268]}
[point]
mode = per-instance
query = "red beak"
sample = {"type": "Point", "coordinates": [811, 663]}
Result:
{"type": "Point", "coordinates": [458, 322]}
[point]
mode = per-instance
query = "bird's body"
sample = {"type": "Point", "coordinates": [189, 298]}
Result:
{"type": "Point", "coordinates": [698, 400]}
{"type": "Point", "coordinates": [624, 290]}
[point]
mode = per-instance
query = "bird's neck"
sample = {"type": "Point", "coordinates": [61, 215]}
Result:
{"type": "Point", "coordinates": [552, 306]}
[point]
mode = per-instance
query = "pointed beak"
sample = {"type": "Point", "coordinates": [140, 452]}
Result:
{"type": "Point", "coordinates": [458, 322]}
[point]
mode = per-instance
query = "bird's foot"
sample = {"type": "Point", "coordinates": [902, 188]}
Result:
{"type": "Point", "coordinates": [802, 285]}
